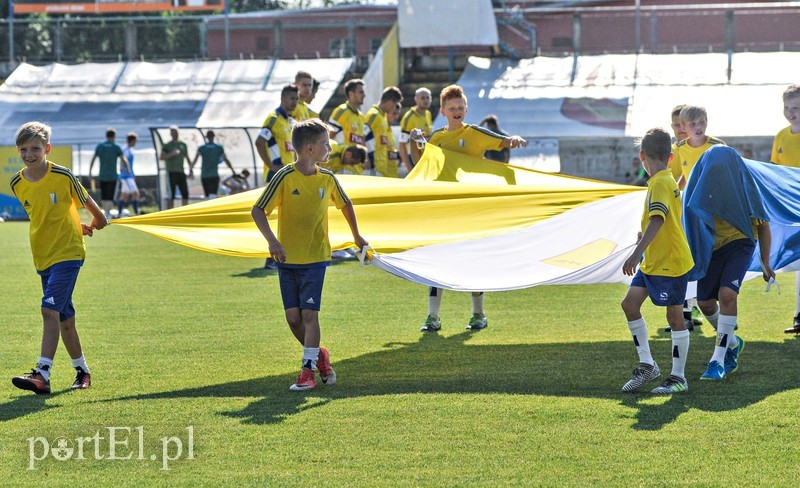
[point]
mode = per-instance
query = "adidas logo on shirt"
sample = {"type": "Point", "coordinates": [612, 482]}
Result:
{"type": "Point", "coordinates": [735, 282]}
{"type": "Point", "coordinates": [296, 192]}
{"type": "Point", "coordinates": [310, 300]}
{"type": "Point", "coordinates": [50, 300]}
{"type": "Point", "coordinates": [26, 204]}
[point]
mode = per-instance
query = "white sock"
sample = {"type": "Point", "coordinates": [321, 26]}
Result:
{"type": "Point", "coordinates": [434, 301]}
{"type": "Point", "coordinates": [80, 363]}
{"type": "Point", "coordinates": [639, 332]}
{"type": "Point", "coordinates": [310, 356]}
{"type": "Point", "coordinates": [713, 319]}
{"type": "Point", "coordinates": [43, 366]}
{"type": "Point", "coordinates": [680, 348]}
{"type": "Point", "coordinates": [692, 302]}
{"type": "Point", "coordinates": [725, 337]}
{"type": "Point", "coordinates": [477, 303]}
{"type": "Point", "coordinates": [797, 294]}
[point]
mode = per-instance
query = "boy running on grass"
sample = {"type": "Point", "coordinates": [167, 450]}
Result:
{"type": "Point", "coordinates": [663, 273]}
{"type": "Point", "coordinates": [301, 191]}
{"type": "Point", "coordinates": [51, 196]}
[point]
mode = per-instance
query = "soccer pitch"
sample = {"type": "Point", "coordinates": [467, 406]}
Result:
{"type": "Point", "coordinates": [192, 360]}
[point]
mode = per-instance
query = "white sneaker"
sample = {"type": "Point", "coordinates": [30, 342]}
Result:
{"type": "Point", "coordinates": [642, 375]}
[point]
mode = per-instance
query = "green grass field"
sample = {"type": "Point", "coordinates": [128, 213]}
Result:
{"type": "Point", "coordinates": [180, 340]}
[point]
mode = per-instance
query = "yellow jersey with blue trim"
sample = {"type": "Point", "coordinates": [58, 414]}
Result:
{"type": "Point", "coordinates": [348, 125]}
{"type": "Point", "coordinates": [380, 142]}
{"type": "Point", "coordinates": [786, 148]}
{"type": "Point", "coordinates": [468, 139]}
{"type": "Point", "coordinates": [301, 111]}
{"type": "Point", "coordinates": [668, 255]}
{"type": "Point", "coordinates": [52, 205]}
{"type": "Point", "coordinates": [413, 120]}
{"type": "Point", "coordinates": [684, 156]}
{"type": "Point", "coordinates": [302, 202]}
{"type": "Point", "coordinates": [277, 131]}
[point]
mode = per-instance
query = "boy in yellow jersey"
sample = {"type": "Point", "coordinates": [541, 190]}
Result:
{"type": "Point", "coordinates": [728, 250]}
{"type": "Point", "coordinates": [274, 142]}
{"type": "Point", "coordinates": [302, 192]}
{"type": "Point", "coordinates": [468, 139]}
{"type": "Point", "coordinates": [417, 117]}
{"type": "Point", "coordinates": [680, 134]}
{"type": "Point", "coordinates": [378, 134]}
{"type": "Point", "coordinates": [786, 152]}
{"type": "Point", "coordinates": [51, 196]}
{"type": "Point", "coordinates": [304, 83]}
{"type": "Point", "coordinates": [686, 152]}
{"type": "Point", "coordinates": [347, 120]}
{"type": "Point", "coordinates": [663, 274]}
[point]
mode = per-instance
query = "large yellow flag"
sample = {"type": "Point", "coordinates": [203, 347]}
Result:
{"type": "Point", "coordinates": [447, 197]}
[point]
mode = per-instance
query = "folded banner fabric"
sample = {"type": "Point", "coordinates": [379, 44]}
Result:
{"type": "Point", "coordinates": [448, 197]}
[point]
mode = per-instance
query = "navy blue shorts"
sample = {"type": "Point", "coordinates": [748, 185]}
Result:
{"type": "Point", "coordinates": [727, 268]}
{"type": "Point", "coordinates": [663, 290]}
{"type": "Point", "coordinates": [58, 282]}
{"type": "Point", "coordinates": [301, 287]}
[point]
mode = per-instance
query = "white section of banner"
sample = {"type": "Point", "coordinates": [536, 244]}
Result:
{"type": "Point", "coordinates": [585, 245]}
{"type": "Point", "coordinates": [426, 23]}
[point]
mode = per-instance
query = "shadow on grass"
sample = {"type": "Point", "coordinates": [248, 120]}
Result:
{"type": "Point", "coordinates": [27, 404]}
{"type": "Point", "coordinates": [437, 364]}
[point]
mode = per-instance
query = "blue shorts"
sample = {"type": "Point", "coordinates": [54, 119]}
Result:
{"type": "Point", "coordinates": [301, 287]}
{"type": "Point", "coordinates": [727, 268]}
{"type": "Point", "coordinates": [58, 282]}
{"type": "Point", "coordinates": [663, 290]}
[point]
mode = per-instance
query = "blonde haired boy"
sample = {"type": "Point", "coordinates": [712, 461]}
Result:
{"type": "Point", "coordinates": [694, 121]}
{"type": "Point", "coordinates": [786, 152]}
{"type": "Point", "coordinates": [51, 195]}
{"type": "Point", "coordinates": [469, 139]}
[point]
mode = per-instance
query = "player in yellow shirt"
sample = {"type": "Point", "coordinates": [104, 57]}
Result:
{"type": "Point", "coordinates": [274, 142]}
{"type": "Point", "coordinates": [347, 120]}
{"type": "Point", "coordinates": [348, 160]}
{"type": "Point", "coordinates": [417, 117]}
{"type": "Point", "coordinates": [51, 195]}
{"type": "Point", "coordinates": [304, 83]}
{"type": "Point", "coordinates": [786, 152]}
{"type": "Point", "coordinates": [680, 134]}
{"type": "Point", "coordinates": [301, 192]}
{"type": "Point", "coordinates": [663, 274]}
{"type": "Point", "coordinates": [314, 89]}
{"type": "Point", "coordinates": [686, 152]}
{"type": "Point", "coordinates": [378, 135]}
{"type": "Point", "coordinates": [469, 139]}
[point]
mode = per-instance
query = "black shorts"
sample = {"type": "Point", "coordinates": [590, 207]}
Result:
{"type": "Point", "coordinates": [107, 189]}
{"type": "Point", "coordinates": [210, 185]}
{"type": "Point", "coordinates": [178, 180]}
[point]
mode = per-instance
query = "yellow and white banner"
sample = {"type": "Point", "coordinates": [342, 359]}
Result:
{"type": "Point", "coordinates": [447, 198]}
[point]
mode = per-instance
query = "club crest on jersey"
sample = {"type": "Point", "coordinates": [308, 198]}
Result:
{"type": "Point", "coordinates": [321, 193]}
{"type": "Point", "coordinates": [53, 198]}
{"type": "Point", "coordinates": [461, 143]}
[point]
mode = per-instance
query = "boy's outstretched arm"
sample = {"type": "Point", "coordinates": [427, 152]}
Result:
{"type": "Point", "coordinates": [276, 250]}
{"type": "Point", "coordinates": [514, 142]}
{"type": "Point", "coordinates": [629, 268]}
{"type": "Point", "coordinates": [350, 216]}
{"type": "Point", "coordinates": [99, 219]}
{"type": "Point", "coordinates": [764, 243]}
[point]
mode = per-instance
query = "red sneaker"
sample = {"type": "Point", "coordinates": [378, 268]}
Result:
{"type": "Point", "coordinates": [326, 372]}
{"type": "Point", "coordinates": [34, 382]}
{"type": "Point", "coordinates": [306, 381]}
{"type": "Point", "coordinates": [83, 380]}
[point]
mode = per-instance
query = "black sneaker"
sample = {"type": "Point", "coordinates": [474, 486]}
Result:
{"type": "Point", "coordinates": [83, 380]}
{"type": "Point", "coordinates": [34, 382]}
{"type": "Point", "coordinates": [794, 329]}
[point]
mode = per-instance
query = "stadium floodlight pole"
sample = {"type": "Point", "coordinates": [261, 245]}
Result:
{"type": "Point", "coordinates": [227, 33]}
